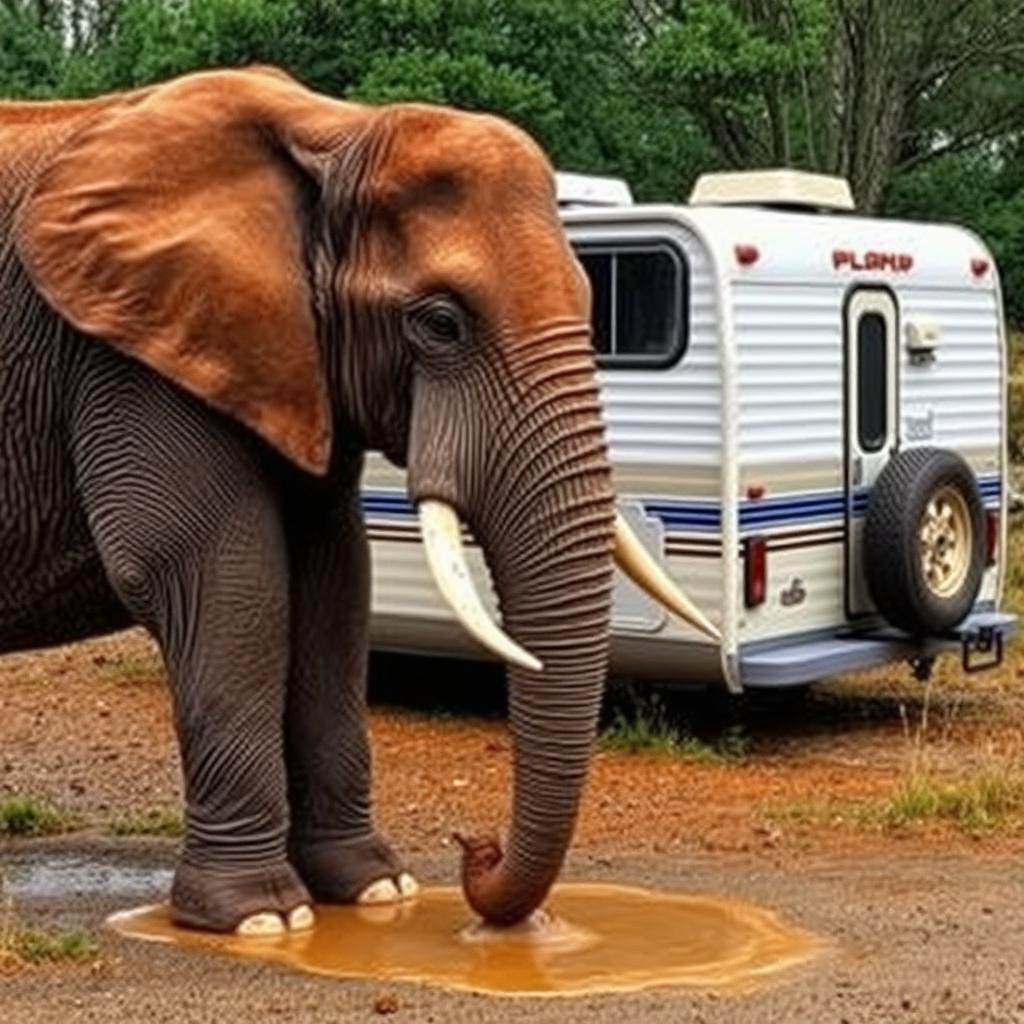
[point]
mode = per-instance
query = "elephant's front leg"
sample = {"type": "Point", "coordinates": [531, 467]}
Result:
{"type": "Point", "coordinates": [333, 843]}
{"type": "Point", "coordinates": [189, 531]}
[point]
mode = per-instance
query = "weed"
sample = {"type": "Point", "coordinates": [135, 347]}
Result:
{"type": "Point", "coordinates": [1013, 586]}
{"type": "Point", "coordinates": [157, 821]}
{"type": "Point", "coordinates": [28, 816]}
{"type": "Point", "coordinates": [990, 798]}
{"type": "Point", "coordinates": [1015, 397]}
{"type": "Point", "coordinates": [22, 946]}
{"type": "Point", "coordinates": [646, 726]}
{"type": "Point", "coordinates": [128, 669]}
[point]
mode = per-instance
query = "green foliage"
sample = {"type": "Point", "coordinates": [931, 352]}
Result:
{"type": "Point", "coordinates": [156, 821]}
{"type": "Point", "coordinates": [36, 946]}
{"type": "Point", "coordinates": [129, 670]}
{"type": "Point", "coordinates": [1013, 596]}
{"type": "Point", "coordinates": [989, 799]}
{"type": "Point", "coordinates": [25, 816]}
{"type": "Point", "coordinates": [918, 104]}
{"type": "Point", "coordinates": [645, 725]}
{"type": "Point", "coordinates": [31, 54]}
{"type": "Point", "coordinates": [985, 193]}
{"type": "Point", "coordinates": [21, 946]}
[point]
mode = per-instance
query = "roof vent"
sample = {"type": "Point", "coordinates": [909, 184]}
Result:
{"type": "Point", "coordinates": [781, 187]}
{"type": "Point", "coordinates": [576, 190]}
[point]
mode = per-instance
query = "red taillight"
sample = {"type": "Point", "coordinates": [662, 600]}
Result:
{"type": "Point", "coordinates": [992, 524]}
{"type": "Point", "coordinates": [979, 266]}
{"type": "Point", "coordinates": [755, 579]}
{"type": "Point", "coordinates": [747, 255]}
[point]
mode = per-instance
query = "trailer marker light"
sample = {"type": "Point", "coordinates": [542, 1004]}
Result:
{"type": "Point", "coordinates": [755, 579]}
{"type": "Point", "coordinates": [979, 266]}
{"type": "Point", "coordinates": [747, 255]}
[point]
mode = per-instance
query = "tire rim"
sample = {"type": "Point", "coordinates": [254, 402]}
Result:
{"type": "Point", "coordinates": [945, 541]}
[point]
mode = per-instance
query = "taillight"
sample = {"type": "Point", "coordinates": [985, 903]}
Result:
{"type": "Point", "coordinates": [755, 579]}
{"type": "Point", "coordinates": [992, 524]}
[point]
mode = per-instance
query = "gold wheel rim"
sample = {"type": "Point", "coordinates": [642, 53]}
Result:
{"type": "Point", "coordinates": [944, 537]}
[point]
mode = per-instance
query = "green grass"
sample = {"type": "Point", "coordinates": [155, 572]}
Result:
{"type": "Point", "coordinates": [991, 799]}
{"type": "Point", "coordinates": [157, 821]}
{"type": "Point", "coordinates": [1015, 397]}
{"type": "Point", "coordinates": [129, 670]}
{"type": "Point", "coordinates": [1013, 592]}
{"type": "Point", "coordinates": [26, 816]}
{"type": "Point", "coordinates": [36, 946]}
{"type": "Point", "coordinates": [645, 726]}
{"type": "Point", "coordinates": [987, 800]}
{"type": "Point", "coordinates": [23, 946]}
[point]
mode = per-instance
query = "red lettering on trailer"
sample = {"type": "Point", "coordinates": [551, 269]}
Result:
{"type": "Point", "coordinates": [891, 262]}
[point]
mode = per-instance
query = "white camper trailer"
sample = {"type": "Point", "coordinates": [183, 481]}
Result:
{"type": "Point", "coordinates": [806, 417]}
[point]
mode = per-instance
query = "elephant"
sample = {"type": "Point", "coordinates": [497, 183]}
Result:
{"type": "Point", "coordinates": [217, 294]}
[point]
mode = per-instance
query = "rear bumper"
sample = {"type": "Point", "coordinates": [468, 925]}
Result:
{"type": "Point", "coordinates": [799, 660]}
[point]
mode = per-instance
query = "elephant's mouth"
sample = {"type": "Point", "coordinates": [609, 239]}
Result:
{"type": "Point", "coordinates": [442, 541]}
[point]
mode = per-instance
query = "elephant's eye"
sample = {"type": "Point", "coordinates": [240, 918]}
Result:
{"type": "Point", "coordinates": [440, 321]}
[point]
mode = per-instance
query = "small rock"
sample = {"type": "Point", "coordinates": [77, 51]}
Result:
{"type": "Point", "coordinates": [387, 1002]}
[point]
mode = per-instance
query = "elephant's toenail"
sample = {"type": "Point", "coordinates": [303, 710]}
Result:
{"type": "Point", "coordinates": [261, 924]}
{"type": "Point", "coordinates": [381, 891]}
{"type": "Point", "coordinates": [407, 885]}
{"type": "Point", "coordinates": [301, 919]}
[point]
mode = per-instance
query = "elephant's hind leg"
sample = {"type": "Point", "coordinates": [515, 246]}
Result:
{"type": "Point", "coordinates": [189, 534]}
{"type": "Point", "coordinates": [333, 843]}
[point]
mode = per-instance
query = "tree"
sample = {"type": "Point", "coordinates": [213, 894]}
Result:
{"type": "Point", "coordinates": [862, 88]}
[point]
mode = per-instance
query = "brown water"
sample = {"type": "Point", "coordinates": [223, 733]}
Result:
{"type": "Point", "coordinates": [592, 938]}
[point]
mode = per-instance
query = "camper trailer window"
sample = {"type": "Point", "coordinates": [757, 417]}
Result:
{"type": "Point", "coordinates": [872, 382]}
{"type": "Point", "coordinates": [638, 303]}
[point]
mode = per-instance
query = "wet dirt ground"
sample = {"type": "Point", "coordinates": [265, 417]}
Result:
{"type": "Point", "coordinates": [923, 923]}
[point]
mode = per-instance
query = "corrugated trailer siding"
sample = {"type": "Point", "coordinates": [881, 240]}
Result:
{"type": "Point", "coordinates": [788, 342]}
{"type": "Point", "coordinates": [963, 388]}
{"type": "Point", "coordinates": [671, 417]}
{"type": "Point", "coordinates": [789, 354]}
{"type": "Point", "coordinates": [665, 437]}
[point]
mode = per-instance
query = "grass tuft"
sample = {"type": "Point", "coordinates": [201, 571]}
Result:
{"type": "Point", "coordinates": [25, 816]}
{"type": "Point", "coordinates": [645, 726]}
{"type": "Point", "coordinates": [129, 669]}
{"type": "Point", "coordinates": [156, 821]}
{"type": "Point", "coordinates": [989, 799]}
{"type": "Point", "coordinates": [22, 946]}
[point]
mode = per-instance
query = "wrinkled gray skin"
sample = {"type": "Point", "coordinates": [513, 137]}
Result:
{"type": "Point", "coordinates": [450, 332]}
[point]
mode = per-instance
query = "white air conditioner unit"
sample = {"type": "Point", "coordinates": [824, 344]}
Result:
{"type": "Point", "coordinates": [776, 187]}
{"type": "Point", "coordinates": [591, 190]}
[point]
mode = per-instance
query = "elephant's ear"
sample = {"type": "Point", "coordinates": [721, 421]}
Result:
{"type": "Point", "coordinates": [173, 226]}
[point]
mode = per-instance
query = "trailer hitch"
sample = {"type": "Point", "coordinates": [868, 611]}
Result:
{"type": "Point", "coordinates": [985, 642]}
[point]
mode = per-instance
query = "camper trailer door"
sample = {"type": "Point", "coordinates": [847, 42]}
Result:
{"type": "Point", "coordinates": [871, 369]}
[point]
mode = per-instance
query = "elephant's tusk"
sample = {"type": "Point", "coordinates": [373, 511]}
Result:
{"type": "Point", "coordinates": [635, 561]}
{"type": "Point", "coordinates": [442, 540]}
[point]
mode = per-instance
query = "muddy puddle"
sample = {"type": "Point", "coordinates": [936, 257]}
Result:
{"type": "Point", "coordinates": [591, 939]}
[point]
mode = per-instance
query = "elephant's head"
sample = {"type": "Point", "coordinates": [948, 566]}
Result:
{"type": "Point", "coordinates": [396, 277]}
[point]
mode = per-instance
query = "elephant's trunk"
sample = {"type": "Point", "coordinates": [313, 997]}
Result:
{"type": "Point", "coordinates": [547, 528]}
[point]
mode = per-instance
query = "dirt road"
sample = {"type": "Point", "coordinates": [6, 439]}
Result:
{"type": "Point", "coordinates": [789, 805]}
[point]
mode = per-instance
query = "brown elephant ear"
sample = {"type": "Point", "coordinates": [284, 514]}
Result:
{"type": "Point", "coordinates": [172, 226]}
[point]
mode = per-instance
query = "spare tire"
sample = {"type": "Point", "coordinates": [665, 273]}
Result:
{"type": "Point", "coordinates": [924, 540]}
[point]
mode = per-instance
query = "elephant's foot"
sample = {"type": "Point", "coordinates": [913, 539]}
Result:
{"type": "Point", "coordinates": [366, 872]}
{"type": "Point", "coordinates": [247, 901]}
